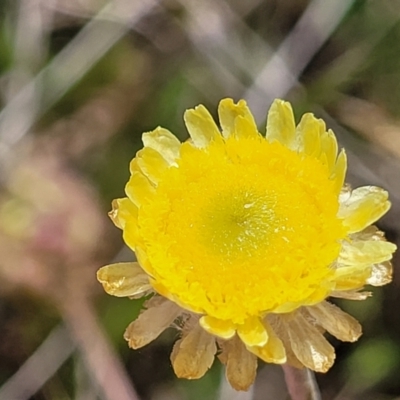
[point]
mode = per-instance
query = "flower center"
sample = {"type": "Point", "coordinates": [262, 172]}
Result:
{"type": "Point", "coordinates": [242, 227]}
{"type": "Point", "coordinates": [236, 224]}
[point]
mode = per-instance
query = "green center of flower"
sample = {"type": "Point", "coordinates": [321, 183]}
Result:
{"type": "Point", "coordinates": [237, 224]}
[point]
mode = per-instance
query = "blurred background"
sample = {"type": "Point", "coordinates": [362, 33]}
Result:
{"type": "Point", "coordinates": [80, 80]}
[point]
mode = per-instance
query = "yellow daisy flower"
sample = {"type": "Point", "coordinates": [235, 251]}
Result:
{"type": "Point", "coordinates": [241, 238]}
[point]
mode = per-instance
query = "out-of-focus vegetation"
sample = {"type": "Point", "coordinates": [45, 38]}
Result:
{"type": "Point", "coordinates": [80, 80]}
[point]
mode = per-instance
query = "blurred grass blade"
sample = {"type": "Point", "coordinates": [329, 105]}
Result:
{"type": "Point", "coordinates": [69, 66]}
{"type": "Point", "coordinates": [280, 74]}
{"type": "Point", "coordinates": [40, 366]}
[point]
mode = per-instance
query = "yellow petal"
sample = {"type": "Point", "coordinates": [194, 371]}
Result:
{"type": "Point", "coordinates": [194, 354]}
{"type": "Point", "coordinates": [286, 307]}
{"type": "Point", "coordinates": [369, 233]}
{"type": "Point", "coordinates": [133, 166]}
{"type": "Point", "coordinates": [139, 189]}
{"type": "Point", "coordinates": [201, 126]}
{"type": "Point", "coordinates": [163, 141]}
{"type": "Point", "coordinates": [308, 135]}
{"type": "Point", "coordinates": [273, 351]}
{"type": "Point", "coordinates": [124, 279]}
{"type": "Point", "coordinates": [365, 252]}
{"type": "Point", "coordinates": [151, 163]}
{"type": "Point", "coordinates": [381, 274]}
{"type": "Point", "coordinates": [338, 323]}
{"type": "Point", "coordinates": [131, 234]}
{"type": "Point", "coordinates": [320, 293]}
{"type": "Point", "coordinates": [253, 332]}
{"type": "Point", "coordinates": [280, 123]}
{"type": "Point", "coordinates": [241, 365]}
{"type": "Point", "coordinates": [236, 119]}
{"type": "Point", "coordinates": [324, 160]}
{"type": "Point", "coordinates": [364, 206]}
{"type": "Point", "coordinates": [223, 329]}
{"type": "Point", "coordinates": [152, 322]}
{"type": "Point", "coordinates": [351, 295]}
{"type": "Point", "coordinates": [308, 344]}
{"type": "Point", "coordinates": [140, 253]}
{"type": "Point", "coordinates": [160, 289]}
{"type": "Point", "coordinates": [350, 278]}
{"type": "Point", "coordinates": [281, 331]}
{"type": "Point", "coordinates": [188, 149]}
{"type": "Point", "coordinates": [123, 210]}
{"type": "Point", "coordinates": [339, 172]}
{"type": "Point", "coordinates": [329, 147]}
{"type": "Point", "coordinates": [163, 291]}
{"type": "Point", "coordinates": [244, 128]}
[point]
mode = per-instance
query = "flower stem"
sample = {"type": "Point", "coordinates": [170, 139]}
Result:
{"type": "Point", "coordinates": [301, 383]}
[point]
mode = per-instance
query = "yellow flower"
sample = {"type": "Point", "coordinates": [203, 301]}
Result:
{"type": "Point", "coordinates": [242, 238]}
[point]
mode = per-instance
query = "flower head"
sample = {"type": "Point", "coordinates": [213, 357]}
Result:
{"type": "Point", "coordinates": [242, 238]}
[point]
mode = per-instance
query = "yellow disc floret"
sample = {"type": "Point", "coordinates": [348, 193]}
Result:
{"type": "Point", "coordinates": [241, 227]}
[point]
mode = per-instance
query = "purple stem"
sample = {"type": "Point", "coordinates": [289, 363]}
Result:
{"type": "Point", "coordinates": [301, 383]}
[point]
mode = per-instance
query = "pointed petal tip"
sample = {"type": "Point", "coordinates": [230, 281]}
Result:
{"type": "Point", "coordinates": [340, 170]}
